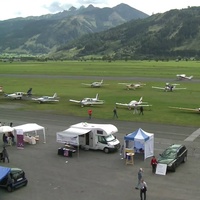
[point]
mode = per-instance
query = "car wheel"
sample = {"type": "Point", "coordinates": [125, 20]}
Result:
{"type": "Point", "coordinates": [9, 188]}
{"type": "Point", "coordinates": [174, 168]}
{"type": "Point", "coordinates": [184, 159]}
{"type": "Point", "coordinates": [106, 150]}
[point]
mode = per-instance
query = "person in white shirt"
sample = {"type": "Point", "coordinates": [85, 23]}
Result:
{"type": "Point", "coordinates": [143, 189]}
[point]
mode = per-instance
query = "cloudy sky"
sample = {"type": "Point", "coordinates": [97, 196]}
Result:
{"type": "Point", "coordinates": [23, 8]}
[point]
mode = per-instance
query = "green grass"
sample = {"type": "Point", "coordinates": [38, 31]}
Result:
{"type": "Point", "coordinates": [111, 93]}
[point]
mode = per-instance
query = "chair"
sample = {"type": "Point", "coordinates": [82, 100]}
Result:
{"type": "Point", "coordinates": [129, 153]}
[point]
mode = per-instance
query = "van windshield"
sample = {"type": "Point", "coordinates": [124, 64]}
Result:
{"type": "Point", "coordinates": [109, 138]}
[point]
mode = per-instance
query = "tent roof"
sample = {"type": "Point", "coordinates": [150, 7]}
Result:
{"type": "Point", "coordinates": [138, 135]}
{"type": "Point", "coordinates": [29, 127]}
{"type": "Point", "coordinates": [74, 131]}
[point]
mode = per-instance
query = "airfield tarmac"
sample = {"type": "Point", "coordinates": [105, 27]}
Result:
{"type": "Point", "coordinates": [94, 175]}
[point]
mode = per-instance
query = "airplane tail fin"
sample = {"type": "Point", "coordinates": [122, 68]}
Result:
{"type": "Point", "coordinates": [102, 81]}
{"type": "Point", "coordinates": [55, 95]}
{"type": "Point", "coordinates": [29, 92]}
{"type": "Point", "coordinates": [190, 77]}
{"type": "Point", "coordinates": [140, 101]}
{"type": "Point", "coordinates": [97, 96]}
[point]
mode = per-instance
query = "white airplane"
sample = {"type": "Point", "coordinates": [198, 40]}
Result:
{"type": "Point", "coordinates": [132, 86]}
{"type": "Point", "coordinates": [187, 109]}
{"type": "Point", "coordinates": [88, 101]}
{"type": "Point", "coordinates": [95, 84]}
{"type": "Point", "coordinates": [46, 99]}
{"type": "Point", "coordinates": [183, 77]}
{"type": "Point", "coordinates": [19, 95]}
{"type": "Point", "coordinates": [169, 87]}
{"type": "Point", "coordinates": [133, 104]}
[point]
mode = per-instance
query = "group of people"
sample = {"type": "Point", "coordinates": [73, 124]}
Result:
{"type": "Point", "coordinates": [142, 185]}
{"type": "Point", "coordinates": [8, 138]}
{"type": "Point", "coordinates": [115, 115]}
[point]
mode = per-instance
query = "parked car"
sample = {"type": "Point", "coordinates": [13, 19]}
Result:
{"type": "Point", "coordinates": [12, 178]}
{"type": "Point", "coordinates": [173, 156]}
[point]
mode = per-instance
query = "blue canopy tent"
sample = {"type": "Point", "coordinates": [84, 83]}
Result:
{"type": "Point", "coordinates": [140, 141]}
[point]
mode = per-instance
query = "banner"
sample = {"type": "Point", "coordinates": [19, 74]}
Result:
{"type": "Point", "coordinates": [161, 169]}
{"type": "Point", "coordinates": [20, 138]}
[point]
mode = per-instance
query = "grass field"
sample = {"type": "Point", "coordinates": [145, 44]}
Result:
{"type": "Point", "coordinates": [14, 78]}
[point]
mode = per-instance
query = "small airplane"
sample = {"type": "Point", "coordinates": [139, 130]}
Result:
{"type": "Point", "coordinates": [19, 95]}
{"type": "Point", "coordinates": [133, 104]}
{"type": "Point", "coordinates": [46, 99]}
{"type": "Point", "coordinates": [183, 77]}
{"type": "Point", "coordinates": [169, 87]}
{"type": "Point", "coordinates": [88, 101]}
{"type": "Point", "coordinates": [132, 86]}
{"type": "Point", "coordinates": [95, 84]}
{"type": "Point", "coordinates": [187, 109]}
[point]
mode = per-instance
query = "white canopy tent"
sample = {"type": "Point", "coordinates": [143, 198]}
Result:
{"type": "Point", "coordinates": [70, 135]}
{"type": "Point", "coordinates": [140, 139]}
{"type": "Point", "coordinates": [31, 127]}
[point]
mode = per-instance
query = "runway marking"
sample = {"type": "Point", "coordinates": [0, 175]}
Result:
{"type": "Point", "coordinates": [193, 136]}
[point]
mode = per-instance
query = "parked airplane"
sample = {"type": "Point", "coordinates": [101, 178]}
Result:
{"type": "Point", "coordinates": [169, 87]}
{"type": "Point", "coordinates": [46, 99]}
{"type": "Point", "coordinates": [88, 101]}
{"type": "Point", "coordinates": [133, 104]}
{"type": "Point", "coordinates": [95, 84]}
{"type": "Point", "coordinates": [187, 109]}
{"type": "Point", "coordinates": [183, 77]}
{"type": "Point", "coordinates": [132, 86]}
{"type": "Point", "coordinates": [19, 95]}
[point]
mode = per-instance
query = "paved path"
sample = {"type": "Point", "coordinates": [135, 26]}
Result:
{"type": "Point", "coordinates": [95, 175]}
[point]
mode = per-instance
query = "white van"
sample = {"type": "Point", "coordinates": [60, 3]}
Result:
{"type": "Point", "coordinates": [91, 136]}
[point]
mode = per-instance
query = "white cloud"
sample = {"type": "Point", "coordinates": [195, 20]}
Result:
{"type": "Point", "coordinates": [23, 8]}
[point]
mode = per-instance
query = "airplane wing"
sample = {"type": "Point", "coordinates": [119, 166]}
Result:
{"type": "Point", "coordinates": [161, 88]}
{"type": "Point", "coordinates": [122, 104]}
{"type": "Point", "coordinates": [179, 88]}
{"type": "Point", "coordinates": [88, 84]}
{"type": "Point", "coordinates": [189, 109]}
{"type": "Point", "coordinates": [146, 105]}
{"type": "Point", "coordinates": [99, 102]}
{"type": "Point", "coordinates": [74, 101]}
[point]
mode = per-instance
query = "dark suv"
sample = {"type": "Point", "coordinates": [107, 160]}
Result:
{"type": "Point", "coordinates": [12, 178]}
{"type": "Point", "coordinates": [173, 156]}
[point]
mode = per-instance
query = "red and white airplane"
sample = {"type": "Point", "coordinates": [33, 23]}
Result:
{"type": "Point", "coordinates": [183, 77]}
{"type": "Point", "coordinates": [133, 104]}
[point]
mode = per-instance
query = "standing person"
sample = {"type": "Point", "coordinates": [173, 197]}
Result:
{"type": "Point", "coordinates": [115, 113]}
{"type": "Point", "coordinates": [5, 139]}
{"type": "Point", "coordinates": [154, 163]}
{"type": "Point", "coordinates": [11, 124]}
{"type": "Point", "coordinates": [143, 189]}
{"type": "Point", "coordinates": [135, 110]}
{"type": "Point", "coordinates": [140, 176]}
{"type": "Point", "coordinates": [141, 110]}
{"type": "Point", "coordinates": [5, 155]}
{"type": "Point", "coordinates": [90, 113]}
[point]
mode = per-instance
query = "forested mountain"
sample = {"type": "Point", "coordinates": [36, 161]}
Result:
{"type": "Point", "coordinates": [43, 34]}
{"type": "Point", "coordinates": [169, 35]}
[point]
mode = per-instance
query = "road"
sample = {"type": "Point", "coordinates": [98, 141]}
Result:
{"type": "Point", "coordinates": [94, 174]}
